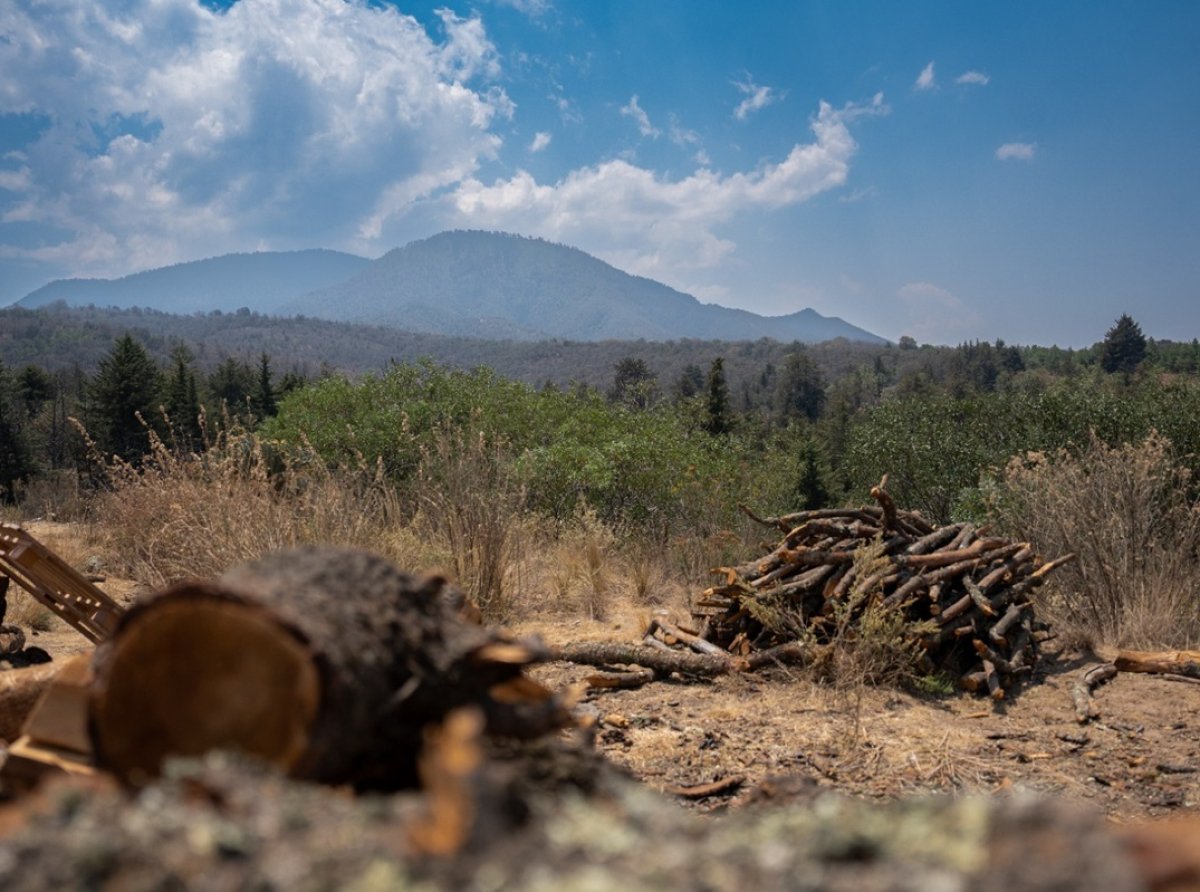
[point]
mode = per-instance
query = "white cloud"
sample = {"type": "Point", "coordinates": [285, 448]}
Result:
{"type": "Point", "coordinates": [656, 226]}
{"type": "Point", "coordinates": [756, 98]}
{"type": "Point", "coordinates": [925, 80]}
{"type": "Point", "coordinates": [977, 78]}
{"type": "Point", "coordinates": [935, 315]}
{"type": "Point", "coordinates": [177, 132]}
{"type": "Point", "coordinates": [1017, 151]}
{"type": "Point", "coordinates": [541, 139]}
{"type": "Point", "coordinates": [680, 135]}
{"type": "Point", "coordinates": [532, 8]}
{"type": "Point", "coordinates": [859, 194]}
{"type": "Point", "coordinates": [635, 111]}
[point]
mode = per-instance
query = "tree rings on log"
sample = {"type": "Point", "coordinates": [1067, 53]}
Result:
{"type": "Point", "coordinates": [201, 672]}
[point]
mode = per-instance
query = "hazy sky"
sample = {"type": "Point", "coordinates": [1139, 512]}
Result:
{"type": "Point", "coordinates": [948, 170]}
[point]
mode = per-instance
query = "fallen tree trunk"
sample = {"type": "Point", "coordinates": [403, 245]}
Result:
{"type": "Point", "coordinates": [664, 662]}
{"type": "Point", "coordinates": [1168, 662]}
{"type": "Point", "coordinates": [327, 662]}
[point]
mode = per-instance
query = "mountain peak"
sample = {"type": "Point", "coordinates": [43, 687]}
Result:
{"type": "Point", "coordinates": [541, 289]}
{"type": "Point", "coordinates": [473, 283]}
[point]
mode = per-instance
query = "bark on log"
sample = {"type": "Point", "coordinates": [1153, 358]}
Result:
{"type": "Point", "coordinates": [20, 690]}
{"type": "Point", "coordinates": [1173, 662]}
{"type": "Point", "coordinates": [693, 641]}
{"type": "Point", "coordinates": [1081, 693]}
{"type": "Point", "coordinates": [327, 662]}
{"type": "Point", "coordinates": [605, 653]}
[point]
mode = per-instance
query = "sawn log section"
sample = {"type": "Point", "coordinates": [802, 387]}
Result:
{"type": "Point", "coordinates": [330, 663]}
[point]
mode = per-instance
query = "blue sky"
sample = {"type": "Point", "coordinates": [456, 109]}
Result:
{"type": "Point", "coordinates": [951, 171]}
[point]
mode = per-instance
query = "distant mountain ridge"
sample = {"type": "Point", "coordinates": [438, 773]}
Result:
{"type": "Point", "coordinates": [463, 283]}
{"type": "Point", "coordinates": [260, 282]}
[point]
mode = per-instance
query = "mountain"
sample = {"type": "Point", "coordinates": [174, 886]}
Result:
{"type": "Point", "coordinates": [260, 281]}
{"type": "Point", "coordinates": [464, 284]}
{"type": "Point", "coordinates": [495, 285]}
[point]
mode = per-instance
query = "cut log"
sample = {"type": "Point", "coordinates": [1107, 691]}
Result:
{"type": "Point", "coordinates": [20, 690]}
{"type": "Point", "coordinates": [1171, 662]}
{"type": "Point", "coordinates": [329, 663]}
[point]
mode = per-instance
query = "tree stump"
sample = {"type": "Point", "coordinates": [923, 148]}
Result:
{"type": "Point", "coordinates": [327, 662]}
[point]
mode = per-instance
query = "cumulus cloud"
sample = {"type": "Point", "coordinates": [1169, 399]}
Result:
{"type": "Point", "coordinates": [935, 315]}
{"type": "Point", "coordinates": [541, 139]}
{"type": "Point", "coordinates": [658, 226]}
{"type": "Point", "coordinates": [756, 98]}
{"type": "Point", "coordinates": [925, 80]}
{"type": "Point", "coordinates": [977, 78]}
{"type": "Point", "coordinates": [174, 131]}
{"type": "Point", "coordinates": [532, 8]}
{"type": "Point", "coordinates": [635, 111]}
{"type": "Point", "coordinates": [1016, 151]}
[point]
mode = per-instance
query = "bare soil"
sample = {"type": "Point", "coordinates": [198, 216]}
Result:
{"type": "Point", "coordinates": [1140, 758]}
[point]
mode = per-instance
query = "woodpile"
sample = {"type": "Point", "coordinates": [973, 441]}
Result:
{"type": "Point", "coordinates": [964, 595]}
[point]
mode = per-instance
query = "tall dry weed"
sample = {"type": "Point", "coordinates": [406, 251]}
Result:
{"type": "Point", "coordinates": [471, 505]}
{"type": "Point", "coordinates": [1127, 513]}
{"type": "Point", "coordinates": [579, 561]}
{"type": "Point", "coordinates": [183, 515]}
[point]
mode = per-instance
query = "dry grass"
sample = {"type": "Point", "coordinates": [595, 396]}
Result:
{"type": "Point", "coordinates": [182, 515]}
{"type": "Point", "coordinates": [1126, 512]}
{"type": "Point", "coordinates": [471, 509]}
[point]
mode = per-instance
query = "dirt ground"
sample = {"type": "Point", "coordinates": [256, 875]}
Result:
{"type": "Point", "coordinates": [1141, 758]}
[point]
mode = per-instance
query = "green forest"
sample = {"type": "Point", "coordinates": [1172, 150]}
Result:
{"type": "Point", "coordinates": [663, 438]}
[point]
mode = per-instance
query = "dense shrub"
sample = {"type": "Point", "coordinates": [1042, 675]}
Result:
{"type": "Point", "coordinates": [647, 468]}
{"type": "Point", "coordinates": [935, 448]}
{"type": "Point", "coordinates": [1126, 513]}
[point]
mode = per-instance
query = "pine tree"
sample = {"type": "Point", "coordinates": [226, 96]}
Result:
{"type": "Point", "coordinates": [811, 490]}
{"type": "Point", "coordinates": [717, 420]}
{"type": "Point", "coordinates": [126, 386]}
{"type": "Point", "coordinates": [800, 392]}
{"type": "Point", "coordinates": [1124, 347]}
{"type": "Point", "coordinates": [233, 384]}
{"type": "Point", "coordinates": [183, 401]}
{"type": "Point", "coordinates": [634, 385]}
{"type": "Point", "coordinates": [690, 383]}
{"type": "Point", "coordinates": [16, 453]}
{"type": "Point", "coordinates": [264, 401]}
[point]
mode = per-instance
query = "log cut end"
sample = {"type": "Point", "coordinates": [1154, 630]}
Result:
{"type": "Point", "coordinates": [199, 672]}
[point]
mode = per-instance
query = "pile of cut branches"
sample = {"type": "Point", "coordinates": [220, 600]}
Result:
{"type": "Point", "coordinates": [964, 596]}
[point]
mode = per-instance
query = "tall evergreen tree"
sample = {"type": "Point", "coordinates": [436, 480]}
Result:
{"type": "Point", "coordinates": [127, 385]}
{"type": "Point", "coordinates": [811, 490]}
{"type": "Point", "coordinates": [264, 400]}
{"type": "Point", "coordinates": [35, 388]}
{"type": "Point", "coordinates": [800, 391]}
{"type": "Point", "coordinates": [634, 385]}
{"type": "Point", "coordinates": [717, 415]}
{"type": "Point", "coordinates": [233, 384]}
{"type": "Point", "coordinates": [1124, 347]}
{"type": "Point", "coordinates": [16, 452]}
{"type": "Point", "coordinates": [690, 383]}
{"type": "Point", "coordinates": [183, 400]}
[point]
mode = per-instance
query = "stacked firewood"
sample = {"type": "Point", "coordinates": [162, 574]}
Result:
{"type": "Point", "coordinates": [965, 596]}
